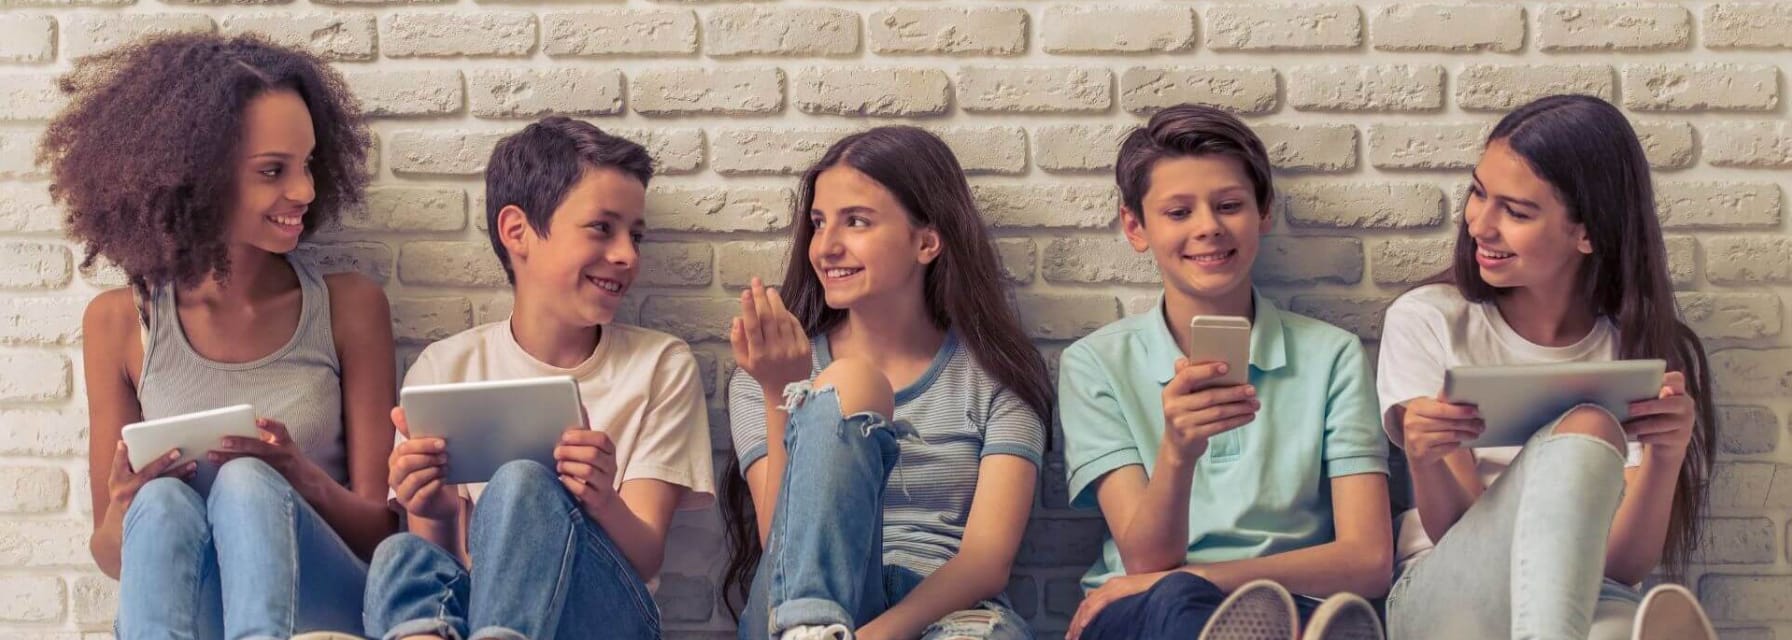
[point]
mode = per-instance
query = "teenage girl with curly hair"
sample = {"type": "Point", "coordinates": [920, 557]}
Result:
{"type": "Point", "coordinates": [196, 163]}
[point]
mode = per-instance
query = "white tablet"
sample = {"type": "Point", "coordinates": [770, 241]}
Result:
{"type": "Point", "coordinates": [1516, 401]}
{"type": "Point", "coordinates": [195, 434]}
{"type": "Point", "coordinates": [487, 424]}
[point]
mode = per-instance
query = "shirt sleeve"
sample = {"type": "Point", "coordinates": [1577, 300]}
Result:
{"type": "Point", "coordinates": [1412, 359]}
{"type": "Point", "coordinates": [1353, 440]}
{"type": "Point", "coordinates": [674, 442]}
{"type": "Point", "coordinates": [746, 418]}
{"type": "Point", "coordinates": [1096, 437]}
{"type": "Point", "coordinates": [1013, 429]}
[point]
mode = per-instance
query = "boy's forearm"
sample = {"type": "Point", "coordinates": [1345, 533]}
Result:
{"type": "Point", "coordinates": [1156, 537]}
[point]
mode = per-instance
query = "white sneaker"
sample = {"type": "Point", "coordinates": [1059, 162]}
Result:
{"type": "Point", "coordinates": [1670, 612]}
{"type": "Point", "coordinates": [327, 635]}
{"type": "Point", "coordinates": [1259, 610]}
{"type": "Point", "coordinates": [817, 632]}
{"type": "Point", "coordinates": [1344, 616]}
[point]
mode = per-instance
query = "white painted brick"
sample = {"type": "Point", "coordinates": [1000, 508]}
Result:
{"type": "Point", "coordinates": [692, 319]}
{"type": "Point", "coordinates": [42, 320]}
{"type": "Point", "coordinates": [692, 90]}
{"type": "Point", "coordinates": [1746, 598]}
{"type": "Point", "coordinates": [1747, 25]}
{"type": "Point", "coordinates": [447, 35]}
{"type": "Point", "coordinates": [1731, 315]}
{"type": "Point", "coordinates": [971, 30]}
{"type": "Point", "coordinates": [95, 600]}
{"type": "Point", "coordinates": [1085, 206]}
{"type": "Point", "coordinates": [766, 150]}
{"type": "Point", "coordinates": [1303, 260]}
{"type": "Point", "coordinates": [64, 3]}
{"type": "Point", "coordinates": [449, 263]}
{"type": "Point", "coordinates": [33, 489]}
{"type": "Point", "coordinates": [1447, 28]}
{"type": "Point", "coordinates": [1740, 484]}
{"type": "Point", "coordinates": [32, 598]}
{"type": "Point", "coordinates": [1504, 87]}
{"type": "Point", "coordinates": [373, 3]}
{"type": "Point", "coordinates": [619, 32]}
{"type": "Point", "coordinates": [423, 92]}
{"type": "Point", "coordinates": [1751, 374]}
{"type": "Point", "coordinates": [1701, 86]}
{"type": "Point", "coordinates": [1364, 205]}
{"type": "Point", "coordinates": [1748, 430]}
{"type": "Point", "coordinates": [1760, 144]}
{"type": "Point", "coordinates": [1309, 147]}
{"type": "Point", "coordinates": [1366, 87]}
{"type": "Point", "coordinates": [27, 38]}
{"type": "Point", "coordinates": [1717, 205]}
{"type": "Point", "coordinates": [700, 208]}
{"type": "Point", "coordinates": [1283, 27]}
{"type": "Point", "coordinates": [531, 93]}
{"type": "Point", "coordinates": [41, 544]}
{"type": "Point", "coordinates": [1668, 145]}
{"type": "Point", "coordinates": [1426, 145]}
{"type": "Point", "coordinates": [31, 96]}
{"type": "Point", "coordinates": [426, 320]}
{"type": "Point", "coordinates": [410, 209]}
{"type": "Point", "coordinates": [437, 152]}
{"type": "Point", "coordinates": [1358, 314]}
{"type": "Point", "coordinates": [1617, 26]}
{"type": "Point", "coordinates": [1106, 260]}
{"type": "Point", "coordinates": [1407, 261]}
{"type": "Point", "coordinates": [780, 31]}
{"type": "Point", "coordinates": [85, 34]}
{"type": "Point", "coordinates": [331, 36]}
{"type": "Point", "coordinates": [371, 259]}
{"type": "Point", "coordinates": [1737, 541]}
{"type": "Point", "coordinates": [498, 307]}
{"type": "Point", "coordinates": [18, 153]}
{"type": "Point", "coordinates": [1065, 316]}
{"type": "Point", "coordinates": [1141, 28]}
{"type": "Point", "coordinates": [871, 91]}
{"type": "Point", "coordinates": [43, 433]}
{"type": "Point", "coordinates": [1245, 90]}
{"type": "Point", "coordinates": [1683, 260]}
{"type": "Point", "coordinates": [738, 263]}
{"type": "Point", "coordinates": [675, 264]}
{"type": "Point", "coordinates": [34, 265]}
{"type": "Point", "coordinates": [1078, 147]}
{"type": "Point", "coordinates": [33, 376]}
{"type": "Point", "coordinates": [987, 150]}
{"type": "Point", "coordinates": [1034, 89]}
{"type": "Point", "coordinates": [1017, 256]}
{"type": "Point", "coordinates": [674, 150]}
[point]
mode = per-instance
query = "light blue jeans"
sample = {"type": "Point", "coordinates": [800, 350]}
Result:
{"type": "Point", "coordinates": [1528, 558]}
{"type": "Point", "coordinates": [824, 561]}
{"type": "Point", "coordinates": [541, 570]}
{"type": "Point", "coordinates": [249, 560]}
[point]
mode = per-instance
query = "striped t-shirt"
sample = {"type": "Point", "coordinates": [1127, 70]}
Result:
{"type": "Point", "coordinates": [962, 414]}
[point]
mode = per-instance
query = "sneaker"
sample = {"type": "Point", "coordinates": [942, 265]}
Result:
{"type": "Point", "coordinates": [328, 635]}
{"type": "Point", "coordinates": [1259, 610]}
{"type": "Point", "coordinates": [1670, 612]}
{"type": "Point", "coordinates": [1344, 616]}
{"type": "Point", "coordinates": [817, 632]}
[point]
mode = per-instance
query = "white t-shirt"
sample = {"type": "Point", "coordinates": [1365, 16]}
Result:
{"type": "Point", "coordinates": [1432, 328]}
{"type": "Point", "coordinates": [640, 386]}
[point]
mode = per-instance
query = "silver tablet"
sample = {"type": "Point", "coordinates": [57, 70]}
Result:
{"type": "Point", "coordinates": [487, 424]}
{"type": "Point", "coordinates": [1516, 401]}
{"type": "Point", "coordinates": [195, 434]}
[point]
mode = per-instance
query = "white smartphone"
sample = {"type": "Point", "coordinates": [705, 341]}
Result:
{"type": "Point", "coordinates": [1221, 339]}
{"type": "Point", "coordinates": [195, 434]}
{"type": "Point", "coordinates": [487, 424]}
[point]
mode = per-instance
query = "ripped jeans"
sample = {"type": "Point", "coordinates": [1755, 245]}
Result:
{"type": "Point", "coordinates": [824, 559]}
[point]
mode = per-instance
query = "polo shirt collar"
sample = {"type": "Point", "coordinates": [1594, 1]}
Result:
{"type": "Point", "coordinates": [1268, 339]}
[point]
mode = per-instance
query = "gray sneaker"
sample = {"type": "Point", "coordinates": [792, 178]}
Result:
{"type": "Point", "coordinates": [1344, 616]}
{"type": "Point", "coordinates": [1259, 610]}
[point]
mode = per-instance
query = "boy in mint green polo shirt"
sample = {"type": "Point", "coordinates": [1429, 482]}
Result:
{"type": "Point", "coordinates": [1206, 489]}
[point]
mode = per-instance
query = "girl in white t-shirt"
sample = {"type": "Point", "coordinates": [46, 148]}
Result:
{"type": "Point", "coordinates": [1559, 258]}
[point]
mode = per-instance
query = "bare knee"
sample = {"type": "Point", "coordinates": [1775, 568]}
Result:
{"type": "Point", "coordinates": [859, 386]}
{"type": "Point", "coordinates": [1593, 421]}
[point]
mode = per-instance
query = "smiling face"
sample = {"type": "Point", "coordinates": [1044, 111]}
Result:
{"type": "Point", "coordinates": [273, 178]}
{"type": "Point", "coordinates": [1523, 233]}
{"type": "Point", "coordinates": [590, 255]}
{"type": "Point", "coordinates": [864, 245]}
{"type": "Point", "coordinates": [1202, 224]}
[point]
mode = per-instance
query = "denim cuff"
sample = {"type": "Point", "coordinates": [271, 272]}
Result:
{"type": "Point", "coordinates": [808, 611]}
{"type": "Point", "coordinates": [497, 633]}
{"type": "Point", "coordinates": [423, 626]}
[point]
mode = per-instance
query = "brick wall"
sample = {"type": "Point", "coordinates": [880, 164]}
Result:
{"type": "Point", "coordinates": [1374, 112]}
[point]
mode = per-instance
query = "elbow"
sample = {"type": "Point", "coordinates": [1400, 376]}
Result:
{"type": "Point", "coordinates": [1144, 562]}
{"type": "Point", "coordinates": [1374, 571]}
{"type": "Point", "coordinates": [993, 580]}
{"type": "Point", "coordinates": [108, 563]}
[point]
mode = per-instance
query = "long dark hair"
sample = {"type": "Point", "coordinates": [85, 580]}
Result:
{"type": "Point", "coordinates": [1586, 150]}
{"type": "Point", "coordinates": [962, 291]}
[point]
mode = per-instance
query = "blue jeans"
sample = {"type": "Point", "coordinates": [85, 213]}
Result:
{"type": "Point", "coordinates": [824, 558]}
{"type": "Point", "coordinates": [1528, 558]}
{"type": "Point", "coordinates": [250, 560]}
{"type": "Point", "coordinates": [541, 570]}
{"type": "Point", "coordinates": [1176, 608]}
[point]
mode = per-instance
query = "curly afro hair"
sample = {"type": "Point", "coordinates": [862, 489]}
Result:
{"type": "Point", "coordinates": [143, 157]}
